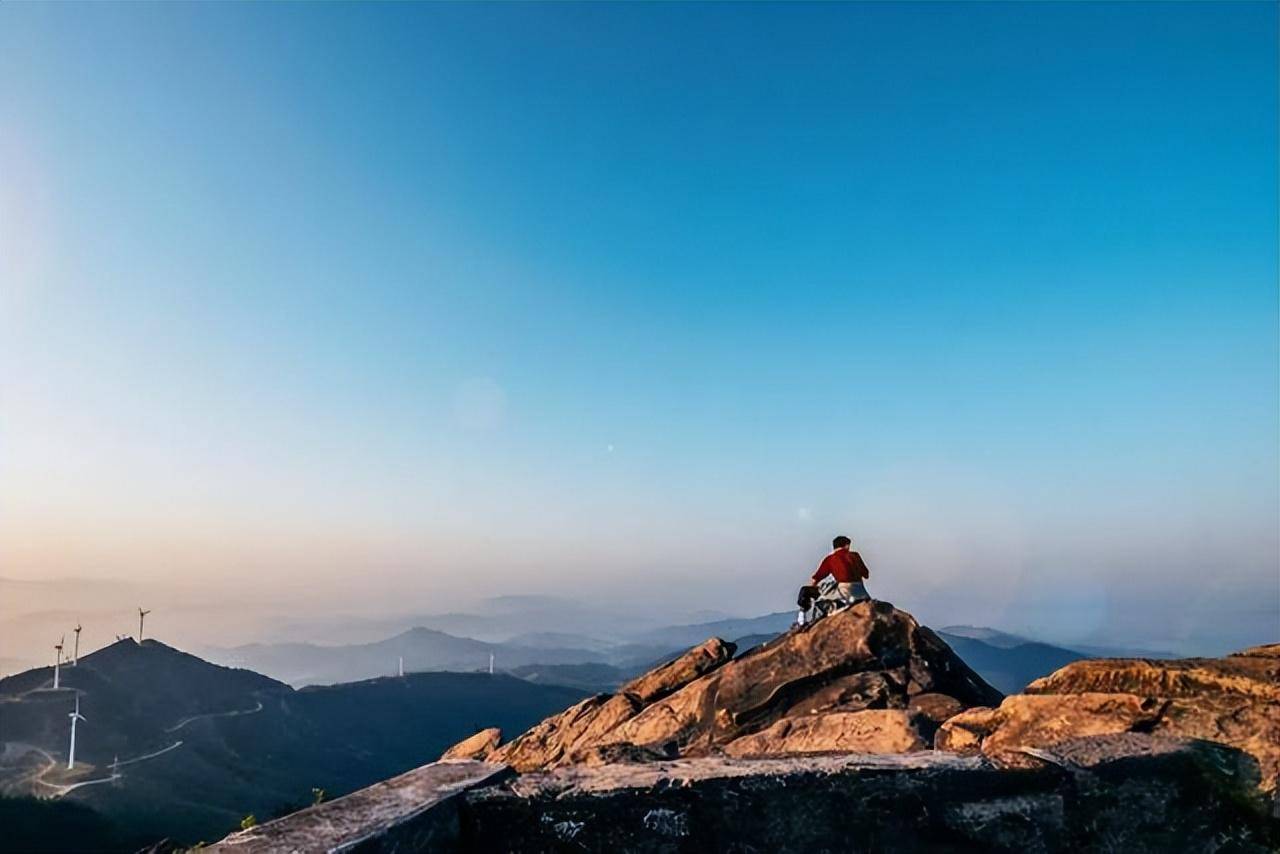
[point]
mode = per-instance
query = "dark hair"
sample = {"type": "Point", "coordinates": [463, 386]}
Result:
{"type": "Point", "coordinates": [840, 541]}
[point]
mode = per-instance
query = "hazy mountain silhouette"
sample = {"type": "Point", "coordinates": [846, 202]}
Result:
{"type": "Point", "coordinates": [1006, 660]}
{"type": "Point", "coordinates": [422, 649]}
{"type": "Point", "coordinates": [591, 677]}
{"type": "Point", "coordinates": [1011, 668]}
{"type": "Point", "coordinates": [561, 640]}
{"type": "Point", "coordinates": [673, 637]}
{"type": "Point", "coordinates": [989, 636]}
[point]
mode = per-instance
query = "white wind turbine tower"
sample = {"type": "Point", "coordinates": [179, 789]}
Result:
{"type": "Point", "coordinates": [57, 661]}
{"type": "Point", "coordinates": [490, 664]}
{"type": "Point", "coordinates": [402, 665]}
{"type": "Point", "coordinates": [75, 655]}
{"type": "Point", "coordinates": [75, 716]}
{"type": "Point", "coordinates": [142, 615]}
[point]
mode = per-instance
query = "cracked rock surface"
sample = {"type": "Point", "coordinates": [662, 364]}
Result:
{"type": "Point", "coordinates": [1233, 701]}
{"type": "Point", "coordinates": [1131, 792]}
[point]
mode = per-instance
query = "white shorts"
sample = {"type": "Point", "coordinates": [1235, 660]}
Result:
{"type": "Point", "coordinates": [853, 591]}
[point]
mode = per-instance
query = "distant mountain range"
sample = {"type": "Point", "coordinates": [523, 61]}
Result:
{"type": "Point", "coordinates": [1006, 660]}
{"type": "Point", "coordinates": [988, 636]}
{"type": "Point", "coordinates": [200, 746]}
{"type": "Point", "coordinates": [591, 677]}
{"type": "Point", "coordinates": [421, 649]}
{"type": "Point", "coordinates": [686, 636]}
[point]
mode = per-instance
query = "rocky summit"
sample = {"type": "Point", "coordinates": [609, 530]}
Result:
{"type": "Point", "coordinates": [860, 732]}
{"type": "Point", "coordinates": [1233, 701]}
{"type": "Point", "coordinates": [868, 679]}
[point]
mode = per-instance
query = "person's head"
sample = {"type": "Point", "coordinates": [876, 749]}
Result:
{"type": "Point", "coordinates": [841, 542]}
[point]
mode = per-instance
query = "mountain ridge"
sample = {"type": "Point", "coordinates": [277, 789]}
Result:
{"type": "Point", "coordinates": [201, 745]}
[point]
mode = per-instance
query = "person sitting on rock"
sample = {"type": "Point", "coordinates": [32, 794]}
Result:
{"type": "Point", "coordinates": [847, 569]}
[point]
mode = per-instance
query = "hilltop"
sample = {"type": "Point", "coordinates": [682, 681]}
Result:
{"type": "Point", "coordinates": [869, 678]}
{"type": "Point", "coordinates": [200, 745]}
{"type": "Point", "coordinates": [136, 692]}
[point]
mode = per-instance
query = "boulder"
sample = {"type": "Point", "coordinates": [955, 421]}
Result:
{"type": "Point", "coordinates": [619, 752]}
{"type": "Point", "coordinates": [931, 710]}
{"type": "Point", "coordinates": [1244, 674]}
{"type": "Point", "coordinates": [547, 742]}
{"type": "Point", "coordinates": [869, 731]}
{"type": "Point", "coordinates": [1270, 650]}
{"type": "Point", "coordinates": [591, 722]}
{"type": "Point", "coordinates": [478, 746]}
{"type": "Point", "coordinates": [872, 689]}
{"type": "Point", "coordinates": [674, 675]}
{"type": "Point", "coordinates": [1024, 721]}
{"type": "Point", "coordinates": [1233, 700]}
{"type": "Point", "coordinates": [963, 733]}
{"type": "Point", "coordinates": [676, 720]}
{"type": "Point", "coordinates": [937, 708]}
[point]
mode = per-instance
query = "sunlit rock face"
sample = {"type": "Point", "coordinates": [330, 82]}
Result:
{"type": "Point", "coordinates": [478, 746]}
{"type": "Point", "coordinates": [868, 678]}
{"type": "Point", "coordinates": [1233, 700]}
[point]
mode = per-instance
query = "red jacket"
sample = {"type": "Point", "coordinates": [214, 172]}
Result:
{"type": "Point", "coordinates": [844, 566]}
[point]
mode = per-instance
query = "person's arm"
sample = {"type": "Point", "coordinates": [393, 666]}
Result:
{"type": "Point", "coordinates": [821, 572]}
{"type": "Point", "coordinates": [861, 565]}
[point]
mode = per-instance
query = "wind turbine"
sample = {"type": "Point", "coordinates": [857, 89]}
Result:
{"type": "Point", "coordinates": [402, 665]}
{"type": "Point", "coordinates": [142, 615]}
{"type": "Point", "coordinates": [75, 716]}
{"type": "Point", "coordinates": [490, 664]}
{"type": "Point", "coordinates": [75, 655]}
{"type": "Point", "coordinates": [57, 661]}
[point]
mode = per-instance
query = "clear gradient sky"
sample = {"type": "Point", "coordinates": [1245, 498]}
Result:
{"type": "Point", "coordinates": [644, 303]}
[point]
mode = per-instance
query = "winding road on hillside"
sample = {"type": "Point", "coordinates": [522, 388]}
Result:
{"type": "Point", "coordinates": [37, 776]}
{"type": "Point", "coordinates": [59, 789]}
{"type": "Point", "coordinates": [180, 724]}
{"type": "Point", "coordinates": [17, 748]}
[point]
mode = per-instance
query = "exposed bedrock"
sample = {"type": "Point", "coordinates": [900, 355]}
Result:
{"type": "Point", "coordinates": [1131, 793]}
{"type": "Point", "coordinates": [1233, 701]}
{"type": "Point", "coordinates": [803, 692]}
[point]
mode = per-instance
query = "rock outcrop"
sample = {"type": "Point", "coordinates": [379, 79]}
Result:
{"type": "Point", "coordinates": [868, 678]}
{"type": "Point", "coordinates": [579, 729]}
{"type": "Point", "coordinates": [415, 811]}
{"type": "Point", "coordinates": [1128, 793]}
{"type": "Point", "coordinates": [1233, 700]}
{"type": "Point", "coordinates": [478, 747]}
{"type": "Point", "coordinates": [868, 731]}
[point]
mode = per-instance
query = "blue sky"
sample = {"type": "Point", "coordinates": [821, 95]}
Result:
{"type": "Point", "coordinates": [646, 302]}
